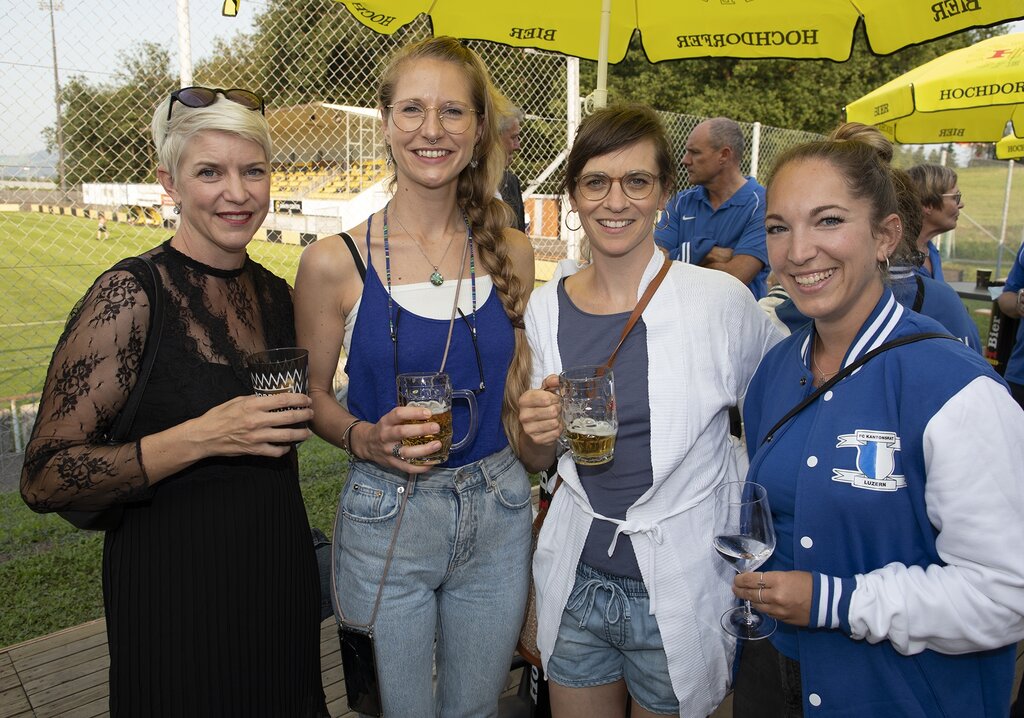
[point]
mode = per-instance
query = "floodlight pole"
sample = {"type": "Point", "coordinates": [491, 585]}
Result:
{"type": "Point", "coordinates": [61, 181]}
{"type": "Point", "coordinates": [184, 46]}
{"type": "Point", "coordinates": [755, 149]}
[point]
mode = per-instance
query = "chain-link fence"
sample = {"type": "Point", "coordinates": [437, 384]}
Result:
{"type": "Point", "coordinates": [116, 59]}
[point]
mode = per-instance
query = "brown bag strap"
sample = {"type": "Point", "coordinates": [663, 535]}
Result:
{"type": "Point", "coordinates": [639, 309]}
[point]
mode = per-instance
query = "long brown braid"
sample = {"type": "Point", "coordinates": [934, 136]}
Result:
{"type": "Point", "coordinates": [476, 195]}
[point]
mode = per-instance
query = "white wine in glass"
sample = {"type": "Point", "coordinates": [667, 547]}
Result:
{"type": "Point", "coordinates": [745, 537]}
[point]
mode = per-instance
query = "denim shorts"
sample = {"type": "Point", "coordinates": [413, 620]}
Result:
{"type": "Point", "coordinates": [608, 634]}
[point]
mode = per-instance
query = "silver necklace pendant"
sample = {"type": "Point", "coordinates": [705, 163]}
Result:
{"type": "Point", "coordinates": [437, 279]}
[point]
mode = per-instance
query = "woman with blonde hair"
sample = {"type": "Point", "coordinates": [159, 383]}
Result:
{"type": "Point", "coordinates": [210, 584]}
{"type": "Point", "coordinates": [434, 552]}
{"type": "Point", "coordinates": [941, 202]}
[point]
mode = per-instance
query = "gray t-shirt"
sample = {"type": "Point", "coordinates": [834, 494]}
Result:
{"type": "Point", "coordinates": [613, 487]}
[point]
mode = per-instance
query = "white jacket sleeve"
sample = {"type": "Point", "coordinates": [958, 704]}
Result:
{"type": "Point", "coordinates": [974, 461]}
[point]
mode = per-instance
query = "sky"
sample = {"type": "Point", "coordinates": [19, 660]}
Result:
{"type": "Point", "coordinates": [90, 34]}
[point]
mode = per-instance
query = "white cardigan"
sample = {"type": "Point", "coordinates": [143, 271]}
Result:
{"type": "Point", "coordinates": [705, 337]}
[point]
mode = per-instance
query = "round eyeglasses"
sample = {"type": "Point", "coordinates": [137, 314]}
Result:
{"type": "Point", "coordinates": [455, 117]}
{"type": "Point", "coordinates": [635, 185]}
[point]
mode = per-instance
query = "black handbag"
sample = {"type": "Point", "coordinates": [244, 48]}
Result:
{"type": "Point", "coordinates": [110, 517]}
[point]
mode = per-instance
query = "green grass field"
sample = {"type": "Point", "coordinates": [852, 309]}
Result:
{"type": "Point", "coordinates": [47, 263]}
{"type": "Point", "coordinates": [975, 244]}
{"type": "Point", "coordinates": [50, 572]}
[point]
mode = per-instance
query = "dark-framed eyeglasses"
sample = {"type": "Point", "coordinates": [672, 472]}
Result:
{"type": "Point", "coordinates": [595, 186]}
{"type": "Point", "coordinates": [957, 196]}
{"type": "Point", "coordinates": [472, 335]}
{"type": "Point", "coordinates": [197, 96]}
{"type": "Point", "coordinates": [455, 117]}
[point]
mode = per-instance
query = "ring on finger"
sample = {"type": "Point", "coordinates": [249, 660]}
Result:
{"type": "Point", "coordinates": [760, 598]}
{"type": "Point", "coordinates": [396, 451]}
{"type": "Point", "coordinates": [760, 580]}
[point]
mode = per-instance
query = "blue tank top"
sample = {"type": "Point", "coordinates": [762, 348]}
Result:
{"type": "Point", "coordinates": [371, 362]}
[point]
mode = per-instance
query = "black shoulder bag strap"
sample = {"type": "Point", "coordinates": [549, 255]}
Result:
{"type": "Point", "coordinates": [919, 297]}
{"type": "Point", "coordinates": [125, 420]}
{"type": "Point", "coordinates": [909, 339]}
{"type": "Point", "coordinates": [110, 517]}
{"type": "Point", "coordinates": [356, 257]}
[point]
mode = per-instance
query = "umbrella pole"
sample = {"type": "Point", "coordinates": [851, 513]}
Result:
{"type": "Point", "coordinates": [1006, 212]}
{"type": "Point", "coordinates": [601, 91]}
{"type": "Point", "coordinates": [572, 123]}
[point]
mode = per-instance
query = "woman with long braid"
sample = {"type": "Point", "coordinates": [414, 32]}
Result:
{"type": "Point", "coordinates": [444, 277]}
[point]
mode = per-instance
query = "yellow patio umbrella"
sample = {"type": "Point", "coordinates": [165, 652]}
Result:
{"type": "Point", "coordinates": [1010, 148]}
{"type": "Point", "coordinates": [968, 95]}
{"type": "Point", "coordinates": [678, 29]}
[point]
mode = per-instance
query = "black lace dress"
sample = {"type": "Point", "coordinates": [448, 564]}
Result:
{"type": "Point", "coordinates": [210, 582]}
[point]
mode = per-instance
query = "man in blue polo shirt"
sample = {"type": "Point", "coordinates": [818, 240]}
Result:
{"type": "Point", "coordinates": [718, 223]}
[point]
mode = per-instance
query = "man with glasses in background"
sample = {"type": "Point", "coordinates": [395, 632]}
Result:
{"type": "Point", "coordinates": [719, 222]}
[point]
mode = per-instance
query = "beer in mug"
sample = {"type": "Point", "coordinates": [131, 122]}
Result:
{"type": "Point", "coordinates": [588, 413]}
{"type": "Point", "coordinates": [433, 391]}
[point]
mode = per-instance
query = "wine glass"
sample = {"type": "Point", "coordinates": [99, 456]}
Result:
{"type": "Point", "coordinates": [745, 537]}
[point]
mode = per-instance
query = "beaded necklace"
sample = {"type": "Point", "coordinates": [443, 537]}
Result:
{"type": "Point", "coordinates": [387, 274]}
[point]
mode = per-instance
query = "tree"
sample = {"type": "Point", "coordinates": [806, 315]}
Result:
{"type": "Point", "coordinates": [106, 127]}
{"type": "Point", "coordinates": [796, 94]}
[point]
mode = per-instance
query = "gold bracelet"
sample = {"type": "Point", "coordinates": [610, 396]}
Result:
{"type": "Point", "coordinates": [346, 437]}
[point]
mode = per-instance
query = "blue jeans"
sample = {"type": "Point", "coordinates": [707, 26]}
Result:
{"type": "Point", "coordinates": [459, 577]}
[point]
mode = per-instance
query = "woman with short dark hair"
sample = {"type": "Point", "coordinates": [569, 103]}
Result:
{"type": "Point", "coordinates": [629, 588]}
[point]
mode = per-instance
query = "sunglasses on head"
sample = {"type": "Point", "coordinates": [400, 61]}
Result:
{"type": "Point", "coordinates": [206, 96]}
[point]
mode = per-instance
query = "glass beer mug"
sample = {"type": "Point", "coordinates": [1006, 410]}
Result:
{"type": "Point", "coordinates": [433, 390]}
{"type": "Point", "coordinates": [588, 413]}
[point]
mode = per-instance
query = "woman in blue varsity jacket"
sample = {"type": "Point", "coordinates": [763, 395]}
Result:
{"type": "Point", "coordinates": [897, 496]}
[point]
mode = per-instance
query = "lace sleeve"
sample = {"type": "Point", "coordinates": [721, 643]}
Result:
{"type": "Point", "coordinates": [68, 462]}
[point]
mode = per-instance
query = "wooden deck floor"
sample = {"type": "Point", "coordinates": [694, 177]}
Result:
{"type": "Point", "coordinates": [65, 674]}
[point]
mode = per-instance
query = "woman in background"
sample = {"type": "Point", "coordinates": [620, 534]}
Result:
{"type": "Point", "coordinates": [941, 202]}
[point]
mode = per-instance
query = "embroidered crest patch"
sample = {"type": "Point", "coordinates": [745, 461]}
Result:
{"type": "Point", "coordinates": [876, 460]}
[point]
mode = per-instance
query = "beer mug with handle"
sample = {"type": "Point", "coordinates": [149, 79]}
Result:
{"type": "Point", "coordinates": [588, 413]}
{"type": "Point", "coordinates": [433, 390]}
